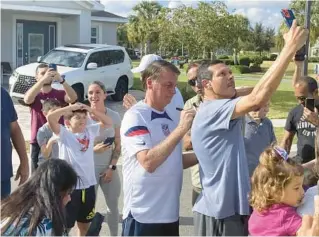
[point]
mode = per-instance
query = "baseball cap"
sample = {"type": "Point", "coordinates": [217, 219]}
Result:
{"type": "Point", "coordinates": [145, 62]}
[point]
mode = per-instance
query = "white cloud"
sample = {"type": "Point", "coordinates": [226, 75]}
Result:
{"type": "Point", "coordinates": [257, 3]}
{"type": "Point", "coordinates": [175, 4]}
{"type": "Point", "coordinates": [122, 8]}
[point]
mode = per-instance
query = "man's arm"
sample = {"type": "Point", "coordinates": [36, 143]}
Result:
{"type": "Point", "coordinates": [287, 140]}
{"type": "Point", "coordinates": [243, 90]}
{"type": "Point", "coordinates": [70, 94]}
{"type": "Point", "coordinates": [187, 142]}
{"type": "Point", "coordinates": [189, 159]}
{"type": "Point", "coordinates": [153, 158]}
{"type": "Point", "coordinates": [19, 144]}
{"type": "Point", "coordinates": [29, 97]}
{"type": "Point", "coordinates": [264, 89]}
{"type": "Point", "coordinates": [297, 73]}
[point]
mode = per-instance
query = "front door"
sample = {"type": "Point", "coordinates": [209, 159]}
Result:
{"type": "Point", "coordinates": [34, 39]}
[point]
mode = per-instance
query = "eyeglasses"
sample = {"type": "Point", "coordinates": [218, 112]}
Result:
{"type": "Point", "coordinates": [192, 82]}
{"type": "Point", "coordinates": [301, 98]}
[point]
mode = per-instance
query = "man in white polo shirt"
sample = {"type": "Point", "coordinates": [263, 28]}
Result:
{"type": "Point", "coordinates": [146, 60]}
{"type": "Point", "coordinates": [152, 156]}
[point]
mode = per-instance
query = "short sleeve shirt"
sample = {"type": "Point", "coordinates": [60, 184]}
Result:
{"type": "Point", "coordinates": [103, 159]}
{"type": "Point", "coordinates": [257, 138]}
{"type": "Point", "coordinates": [150, 197]}
{"type": "Point", "coordinates": [219, 146]}
{"type": "Point", "coordinates": [8, 115]}
{"type": "Point", "coordinates": [278, 220]}
{"type": "Point", "coordinates": [43, 136]}
{"type": "Point", "coordinates": [77, 149]}
{"type": "Point", "coordinates": [37, 117]}
{"type": "Point", "coordinates": [305, 131]}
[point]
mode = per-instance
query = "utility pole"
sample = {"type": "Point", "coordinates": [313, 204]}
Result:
{"type": "Point", "coordinates": [307, 26]}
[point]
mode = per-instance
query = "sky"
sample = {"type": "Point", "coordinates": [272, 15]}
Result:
{"type": "Point", "coordinates": [267, 12]}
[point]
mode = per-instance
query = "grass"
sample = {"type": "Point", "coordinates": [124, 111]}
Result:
{"type": "Point", "coordinates": [279, 132]}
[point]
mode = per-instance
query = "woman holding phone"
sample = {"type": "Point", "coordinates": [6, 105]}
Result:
{"type": "Point", "coordinates": [106, 153]}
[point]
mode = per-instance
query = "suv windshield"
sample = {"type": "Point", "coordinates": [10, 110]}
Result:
{"type": "Point", "coordinates": [64, 58]}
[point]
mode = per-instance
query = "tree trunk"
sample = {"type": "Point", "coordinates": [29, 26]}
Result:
{"type": "Point", "coordinates": [235, 56]}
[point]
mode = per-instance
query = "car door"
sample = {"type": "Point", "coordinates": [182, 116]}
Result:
{"type": "Point", "coordinates": [94, 74]}
{"type": "Point", "coordinates": [112, 70]}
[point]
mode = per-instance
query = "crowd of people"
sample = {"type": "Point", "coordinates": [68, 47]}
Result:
{"type": "Point", "coordinates": [243, 181]}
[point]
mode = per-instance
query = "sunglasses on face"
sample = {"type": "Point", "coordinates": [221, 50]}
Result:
{"type": "Point", "coordinates": [192, 82]}
{"type": "Point", "coordinates": [301, 98]}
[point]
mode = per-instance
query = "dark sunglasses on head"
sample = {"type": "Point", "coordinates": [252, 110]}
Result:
{"type": "Point", "coordinates": [192, 82]}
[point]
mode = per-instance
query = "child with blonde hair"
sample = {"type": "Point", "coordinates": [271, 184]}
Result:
{"type": "Point", "coordinates": [276, 193]}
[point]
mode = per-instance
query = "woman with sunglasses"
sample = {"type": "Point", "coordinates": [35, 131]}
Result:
{"type": "Point", "coordinates": [36, 208]}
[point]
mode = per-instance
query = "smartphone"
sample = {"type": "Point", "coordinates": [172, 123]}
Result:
{"type": "Point", "coordinates": [289, 16]}
{"type": "Point", "coordinates": [53, 66]}
{"type": "Point", "coordinates": [310, 104]}
{"type": "Point", "coordinates": [109, 141]}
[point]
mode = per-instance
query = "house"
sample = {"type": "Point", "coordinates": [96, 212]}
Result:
{"type": "Point", "coordinates": [30, 29]}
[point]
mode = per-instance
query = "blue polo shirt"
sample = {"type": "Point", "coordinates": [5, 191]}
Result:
{"type": "Point", "coordinates": [8, 115]}
{"type": "Point", "coordinates": [219, 146]}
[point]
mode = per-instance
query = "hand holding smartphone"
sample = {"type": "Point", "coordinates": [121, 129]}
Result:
{"type": "Point", "coordinates": [109, 141]}
{"type": "Point", "coordinates": [289, 17]}
{"type": "Point", "coordinates": [310, 104]}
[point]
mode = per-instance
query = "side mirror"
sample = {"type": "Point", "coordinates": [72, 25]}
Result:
{"type": "Point", "coordinates": [39, 59]}
{"type": "Point", "coordinates": [91, 66]}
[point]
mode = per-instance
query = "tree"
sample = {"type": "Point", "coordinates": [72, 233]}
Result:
{"type": "Point", "coordinates": [298, 6]}
{"type": "Point", "coordinates": [142, 26]}
{"type": "Point", "coordinates": [122, 36]}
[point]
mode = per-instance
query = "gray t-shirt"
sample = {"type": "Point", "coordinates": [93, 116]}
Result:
{"type": "Point", "coordinates": [103, 159]}
{"type": "Point", "coordinates": [43, 136]}
{"type": "Point", "coordinates": [257, 138]}
{"type": "Point", "coordinates": [219, 146]}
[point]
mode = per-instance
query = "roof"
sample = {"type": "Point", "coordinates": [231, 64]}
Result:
{"type": "Point", "coordinates": [85, 47]}
{"type": "Point", "coordinates": [106, 14]}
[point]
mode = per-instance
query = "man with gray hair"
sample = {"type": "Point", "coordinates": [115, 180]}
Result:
{"type": "Point", "coordinates": [222, 206]}
{"type": "Point", "coordinates": [152, 156]}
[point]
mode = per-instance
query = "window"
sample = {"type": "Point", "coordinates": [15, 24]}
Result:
{"type": "Point", "coordinates": [112, 57]}
{"type": "Point", "coordinates": [96, 58]}
{"type": "Point", "coordinates": [94, 35]}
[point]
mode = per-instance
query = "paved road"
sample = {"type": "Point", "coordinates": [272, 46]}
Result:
{"type": "Point", "coordinates": [186, 220]}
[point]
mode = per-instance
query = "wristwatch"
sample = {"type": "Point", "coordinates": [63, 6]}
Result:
{"type": "Point", "coordinates": [63, 79]}
{"type": "Point", "coordinates": [112, 167]}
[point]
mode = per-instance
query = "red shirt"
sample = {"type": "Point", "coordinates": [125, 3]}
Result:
{"type": "Point", "coordinates": [37, 117]}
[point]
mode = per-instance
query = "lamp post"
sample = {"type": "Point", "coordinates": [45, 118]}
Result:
{"type": "Point", "coordinates": [307, 26]}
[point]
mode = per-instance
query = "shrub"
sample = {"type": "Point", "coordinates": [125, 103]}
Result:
{"type": "Point", "coordinates": [257, 60]}
{"type": "Point", "coordinates": [273, 57]}
{"type": "Point", "coordinates": [223, 57]}
{"type": "Point", "coordinates": [241, 69]}
{"type": "Point", "coordinates": [228, 61]}
{"type": "Point", "coordinates": [255, 68]}
{"type": "Point", "coordinates": [313, 60]}
{"type": "Point", "coordinates": [265, 58]}
{"type": "Point", "coordinates": [244, 61]}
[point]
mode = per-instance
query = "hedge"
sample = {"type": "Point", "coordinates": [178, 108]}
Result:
{"type": "Point", "coordinates": [240, 69]}
{"type": "Point", "coordinates": [244, 61]}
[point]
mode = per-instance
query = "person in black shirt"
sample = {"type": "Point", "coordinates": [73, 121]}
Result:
{"type": "Point", "coordinates": [302, 121]}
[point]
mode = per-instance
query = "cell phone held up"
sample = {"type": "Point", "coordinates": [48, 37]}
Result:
{"type": "Point", "coordinates": [53, 66]}
{"type": "Point", "coordinates": [289, 17]}
{"type": "Point", "coordinates": [109, 141]}
{"type": "Point", "coordinates": [310, 104]}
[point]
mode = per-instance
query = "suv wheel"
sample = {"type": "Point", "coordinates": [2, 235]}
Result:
{"type": "Point", "coordinates": [121, 89]}
{"type": "Point", "coordinates": [79, 90]}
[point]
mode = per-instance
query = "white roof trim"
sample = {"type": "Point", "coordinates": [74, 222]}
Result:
{"type": "Point", "coordinates": [109, 19]}
{"type": "Point", "coordinates": [39, 9]}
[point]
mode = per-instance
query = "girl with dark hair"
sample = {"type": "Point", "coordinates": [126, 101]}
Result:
{"type": "Point", "coordinates": [36, 208]}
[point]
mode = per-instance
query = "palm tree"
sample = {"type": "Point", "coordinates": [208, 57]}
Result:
{"type": "Point", "coordinates": [142, 26]}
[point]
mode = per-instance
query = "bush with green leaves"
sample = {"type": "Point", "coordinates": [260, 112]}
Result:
{"type": "Point", "coordinates": [257, 60]}
{"type": "Point", "coordinates": [313, 60]}
{"type": "Point", "coordinates": [240, 69]}
{"type": "Point", "coordinates": [273, 57]}
{"type": "Point", "coordinates": [223, 57]}
{"type": "Point", "coordinates": [228, 61]}
{"type": "Point", "coordinates": [255, 68]}
{"type": "Point", "coordinates": [245, 61]}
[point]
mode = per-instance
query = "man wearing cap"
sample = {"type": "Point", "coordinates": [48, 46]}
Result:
{"type": "Point", "coordinates": [129, 100]}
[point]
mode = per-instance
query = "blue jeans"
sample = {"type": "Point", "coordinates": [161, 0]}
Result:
{"type": "Point", "coordinates": [5, 188]}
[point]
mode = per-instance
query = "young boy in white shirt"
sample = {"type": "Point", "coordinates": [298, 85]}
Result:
{"type": "Point", "coordinates": [76, 147]}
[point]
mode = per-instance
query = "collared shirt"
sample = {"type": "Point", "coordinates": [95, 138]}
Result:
{"type": "Point", "coordinates": [257, 138]}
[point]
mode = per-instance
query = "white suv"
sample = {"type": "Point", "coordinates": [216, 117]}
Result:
{"type": "Point", "coordinates": [81, 64]}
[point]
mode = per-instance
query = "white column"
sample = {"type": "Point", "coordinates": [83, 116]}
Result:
{"type": "Point", "coordinates": [84, 26]}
